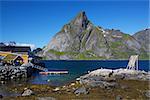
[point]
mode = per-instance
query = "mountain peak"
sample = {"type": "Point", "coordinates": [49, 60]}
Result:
{"type": "Point", "coordinates": [81, 14]}
{"type": "Point", "coordinates": [81, 20]}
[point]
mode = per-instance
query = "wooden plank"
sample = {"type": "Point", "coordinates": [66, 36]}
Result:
{"type": "Point", "coordinates": [54, 72]}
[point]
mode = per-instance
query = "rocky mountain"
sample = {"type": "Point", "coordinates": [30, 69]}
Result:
{"type": "Point", "coordinates": [80, 39]}
{"type": "Point", "coordinates": [143, 38]}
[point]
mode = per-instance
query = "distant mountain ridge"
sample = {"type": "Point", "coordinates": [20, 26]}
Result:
{"type": "Point", "coordinates": [143, 37]}
{"type": "Point", "coordinates": [82, 40]}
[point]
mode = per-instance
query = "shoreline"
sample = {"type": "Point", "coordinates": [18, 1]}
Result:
{"type": "Point", "coordinates": [96, 60]}
{"type": "Point", "coordinates": [82, 90]}
{"type": "Point", "coordinates": [67, 92]}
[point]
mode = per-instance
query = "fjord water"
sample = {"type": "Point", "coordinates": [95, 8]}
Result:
{"type": "Point", "coordinates": [77, 68]}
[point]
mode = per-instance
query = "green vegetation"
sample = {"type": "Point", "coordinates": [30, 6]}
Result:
{"type": "Point", "coordinates": [56, 52]}
{"type": "Point", "coordinates": [123, 55]}
{"type": "Point", "coordinates": [10, 57]}
{"type": "Point", "coordinates": [44, 58]}
{"type": "Point", "coordinates": [81, 56]}
{"type": "Point", "coordinates": [126, 36]}
{"type": "Point", "coordinates": [88, 55]}
{"type": "Point", "coordinates": [116, 44]}
{"type": "Point", "coordinates": [120, 55]}
{"type": "Point", "coordinates": [144, 56]}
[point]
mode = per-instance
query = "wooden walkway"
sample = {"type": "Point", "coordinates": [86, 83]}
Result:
{"type": "Point", "coordinates": [40, 68]}
{"type": "Point", "coordinates": [45, 71]}
{"type": "Point", "coordinates": [54, 72]}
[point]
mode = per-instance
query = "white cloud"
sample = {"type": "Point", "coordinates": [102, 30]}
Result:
{"type": "Point", "coordinates": [32, 46]}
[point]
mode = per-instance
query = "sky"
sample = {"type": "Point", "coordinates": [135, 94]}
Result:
{"type": "Point", "coordinates": [35, 22]}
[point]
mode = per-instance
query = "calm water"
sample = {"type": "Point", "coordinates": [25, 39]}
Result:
{"type": "Point", "coordinates": [77, 68]}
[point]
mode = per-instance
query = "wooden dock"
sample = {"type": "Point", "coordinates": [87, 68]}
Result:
{"type": "Point", "coordinates": [54, 72]}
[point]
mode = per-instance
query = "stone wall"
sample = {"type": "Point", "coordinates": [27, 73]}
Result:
{"type": "Point", "coordinates": [14, 72]}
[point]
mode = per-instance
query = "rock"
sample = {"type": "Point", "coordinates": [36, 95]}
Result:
{"type": "Point", "coordinates": [143, 38]}
{"type": "Point", "coordinates": [111, 85]}
{"type": "Point", "coordinates": [27, 92]}
{"type": "Point", "coordinates": [25, 88]}
{"type": "Point", "coordinates": [102, 78]}
{"type": "Point", "coordinates": [119, 97]}
{"type": "Point", "coordinates": [72, 84]}
{"type": "Point", "coordinates": [147, 93]}
{"type": "Point", "coordinates": [101, 72]}
{"type": "Point", "coordinates": [78, 79]}
{"type": "Point", "coordinates": [1, 96]}
{"type": "Point", "coordinates": [112, 79]}
{"type": "Point", "coordinates": [124, 87]}
{"type": "Point", "coordinates": [2, 82]}
{"type": "Point", "coordinates": [120, 76]}
{"type": "Point", "coordinates": [56, 89]}
{"type": "Point", "coordinates": [81, 90]}
{"type": "Point", "coordinates": [12, 72]}
{"type": "Point", "coordinates": [94, 84]}
{"type": "Point", "coordinates": [46, 98]}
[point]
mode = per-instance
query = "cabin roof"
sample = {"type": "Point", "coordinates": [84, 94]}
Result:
{"type": "Point", "coordinates": [10, 57]}
{"type": "Point", "coordinates": [15, 48]}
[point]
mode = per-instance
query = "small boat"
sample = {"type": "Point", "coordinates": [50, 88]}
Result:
{"type": "Point", "coordinates": [54, 72]}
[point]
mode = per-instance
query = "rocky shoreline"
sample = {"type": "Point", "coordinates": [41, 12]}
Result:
{"type": "Point", "coordinates": [99, 84]}
{"type": "Point", "coordinates": [106, 78]}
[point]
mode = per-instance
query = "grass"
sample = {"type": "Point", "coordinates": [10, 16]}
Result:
{"type": "Point", "coordinates": [123, 55]}
{"type": "Point", "coordinates": [56, 52]}
{"type": "Point", "coordinates": [88, 55]}
{"type": "Point", "coordinates": [144, 56]}
{"type": "Point", "coordinates": [126, 36]}
{"type": "Point", "coordinates": [116, 44]}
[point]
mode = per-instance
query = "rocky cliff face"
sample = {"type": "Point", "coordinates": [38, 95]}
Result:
{"type": "Point", "coordinates": [80, 39]}
{"type": "Point", "coordinates": [143, 38]}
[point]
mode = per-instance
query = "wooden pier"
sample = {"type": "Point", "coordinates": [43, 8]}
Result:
{"type": "Point", "coordinates": [54, 72]}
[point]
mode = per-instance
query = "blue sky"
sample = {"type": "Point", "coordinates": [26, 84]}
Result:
{"type": "Point", "coordinates": [35, 22]}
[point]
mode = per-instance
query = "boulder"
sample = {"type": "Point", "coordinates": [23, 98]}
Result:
{"type": "Point", "coordinates": [56, 89]}
{"type": "Point", "coordinates": [124, 87]}
{"type": "Point", "coordinates": [12, 72]}
{"type": "Point", "coordinates": [101, 72]}
{"type": "Point", "coordinates": [81, 90]}
{"type": "Point", "coordinates": [27, 92]}
{"type": "Point", "coordinates": [147, 93]}
{"type": "Point", "coordinates": [46, 98]}
{"type": "Point", "coordinates": [118, 97]}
